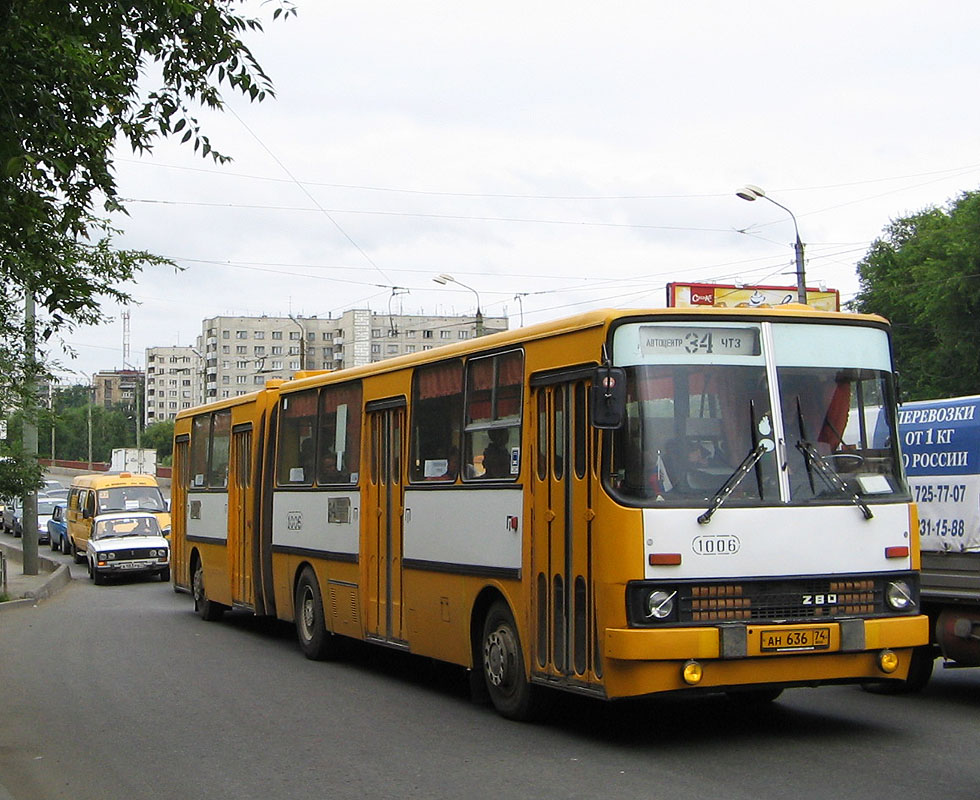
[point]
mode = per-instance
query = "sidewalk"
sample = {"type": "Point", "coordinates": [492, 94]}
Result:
{"type": "Point", "coordinates": [28, 590]}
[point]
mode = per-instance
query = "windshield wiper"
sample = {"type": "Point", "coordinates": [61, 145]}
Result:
{"type": "Point", "coordinates": [734, 480]}
{"type": "Point", "coordinates": [813, 459]}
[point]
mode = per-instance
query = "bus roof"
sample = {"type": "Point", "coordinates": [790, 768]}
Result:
{"type": "Point", "coordinates": [599, 318]}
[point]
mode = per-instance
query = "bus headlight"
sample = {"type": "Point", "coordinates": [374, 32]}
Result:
{"type": "Point", "coordinates": [898, 595]}
{"type": "Point", "coordinates": [659, 604]}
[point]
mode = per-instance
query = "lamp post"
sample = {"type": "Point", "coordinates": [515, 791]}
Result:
{"type": "Point", "coordinates": [302, 342]}
{"type": "Point", "coordinates": [752, 193]}
{"type": "Point", "coordinates": [444, 279]}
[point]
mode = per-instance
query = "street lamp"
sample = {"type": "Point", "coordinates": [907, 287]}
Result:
{"type": "Point", "coordinates": [302, 342]}
{"type": "Point", "coordinates": [752, 193]}
{"type": "Point", "coordinates": [444, 279]}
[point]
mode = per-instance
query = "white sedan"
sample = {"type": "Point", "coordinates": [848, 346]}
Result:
{"type": "Point", "coordinates": [127, 543]}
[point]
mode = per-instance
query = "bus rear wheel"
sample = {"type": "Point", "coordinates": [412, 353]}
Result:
{"type": "Point", "coordinates": [206, 609]}
{"type": "Point", "coordinates": [316, 642]}
{"type": "Point", "coordinates": [503, 666]}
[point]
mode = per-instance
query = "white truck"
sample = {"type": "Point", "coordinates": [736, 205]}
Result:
{"type": "Point", "coordinates": [941, 450]}
{"type": "Point", "coordinates": [140, 460]}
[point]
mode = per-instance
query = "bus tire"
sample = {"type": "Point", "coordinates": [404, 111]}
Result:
{"type": "Point", "coordinates": [206, 609]}
{"type": "Point", "coordinates": [754, 697]}
{"type": "Point", "coordinates": [503, 666]}
{"type": "Point", "coordinates": [78, 556]}
{"type": "Point", "coordinates": [316, 642]}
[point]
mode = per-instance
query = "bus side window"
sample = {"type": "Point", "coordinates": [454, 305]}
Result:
{"type": "Point", "coordinates": [494, 391]}
{"type": "Point", "coordinates": [437, 410]}
{"type": "Point", "coordinates": [296, 457]}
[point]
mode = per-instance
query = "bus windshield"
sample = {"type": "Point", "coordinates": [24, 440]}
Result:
{"type": "Point", "coordinates": [710, 420]}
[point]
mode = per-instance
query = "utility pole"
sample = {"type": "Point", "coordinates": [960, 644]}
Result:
{"type": "Point", "coordinates": [29, 508]}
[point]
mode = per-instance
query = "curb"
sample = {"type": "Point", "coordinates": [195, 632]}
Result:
{"type": "Point", "coordinates": [57, 577]}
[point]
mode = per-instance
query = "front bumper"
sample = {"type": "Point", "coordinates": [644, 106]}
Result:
{"type": "Point", "coordinates": [643, 661]}
{"type": "Point", "coordinates": [126, 567]}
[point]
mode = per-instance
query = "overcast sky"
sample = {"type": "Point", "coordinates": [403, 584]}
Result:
{"type": "Point", "coordinates": [554, 156]}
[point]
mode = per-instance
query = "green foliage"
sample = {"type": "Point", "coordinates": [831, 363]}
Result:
{"type": "Point", "coordinates": [19, 474]}
{"type": "Point", "coordinates": [74, 77]}
{"type": "Point", "coordinates": [160, 436]}
{"type": "Point", "coordinates": [924, 276]}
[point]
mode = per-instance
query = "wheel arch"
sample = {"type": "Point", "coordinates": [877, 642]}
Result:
{"type": "Point", "coordinates": [300, 567]}
{"type": "Point", "coordinates": [481, 606]}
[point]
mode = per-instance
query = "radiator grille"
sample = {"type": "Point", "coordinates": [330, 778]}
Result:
{"type": "Point", "coordinates": [134, 552]}
{"type": "Point", "coordinates": [779, 600]}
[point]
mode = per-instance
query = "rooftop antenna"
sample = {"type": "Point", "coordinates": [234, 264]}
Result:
{"type": "Point", "coordinates": [125, 341]}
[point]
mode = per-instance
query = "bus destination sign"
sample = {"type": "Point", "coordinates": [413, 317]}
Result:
{"type": "Point", "coordinates": [663, 340]}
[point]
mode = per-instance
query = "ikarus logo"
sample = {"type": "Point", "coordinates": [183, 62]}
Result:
{"type": "Point", "coordinates": [718, 544]}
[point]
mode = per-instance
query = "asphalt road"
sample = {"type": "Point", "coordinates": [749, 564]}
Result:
{"type": "Point", "coordinates": [122, 692]}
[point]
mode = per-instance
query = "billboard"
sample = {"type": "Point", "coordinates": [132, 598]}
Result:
{"type": "Point", "coordinates": [722, 295]}
{"type": "Point", "coordinates": [941, 452]}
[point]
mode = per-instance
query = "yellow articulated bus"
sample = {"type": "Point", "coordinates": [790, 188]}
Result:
{"type": "Point", "coordinates": [619, 504]}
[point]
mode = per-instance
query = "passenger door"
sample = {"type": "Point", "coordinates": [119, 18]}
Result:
{"type": "Point", "coordinates": [383, 519]}
{"type": "Point", "coordinates": [561, 554]}
{"type": "Point", "coordinates": [241, 498]}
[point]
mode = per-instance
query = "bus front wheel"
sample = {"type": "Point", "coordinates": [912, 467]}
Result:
{"type": "Point", "coordinates": [503, 666]}
{"type": "Point", "coordinates": [316, 642]}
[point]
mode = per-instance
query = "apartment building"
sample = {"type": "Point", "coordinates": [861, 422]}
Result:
{"type": "Point", "coordinates": [117, 386]}
{"type": "Point", "coordinates": [241, 353]}
{"type": "Point", "coordinates": [174, 381]}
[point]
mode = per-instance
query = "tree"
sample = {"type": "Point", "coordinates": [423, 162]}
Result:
{"type": "Point", "coordinates": [923, 275]}
{"type": "Point", "coordinates": [160, 436]}
{"type": "Point", "coordinates": [75, 77]}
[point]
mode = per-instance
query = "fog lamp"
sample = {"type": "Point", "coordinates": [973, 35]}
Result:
{"type": "Point", "coordinates": [887, 661]}
{"type": "Point", "coordinates": [692, 672]}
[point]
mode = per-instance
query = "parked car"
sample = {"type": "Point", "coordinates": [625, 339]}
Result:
{"type": "Point", "coordinates": [45, 508]}
{"type": "Point", "coordinates": [58, 530]}
{"type": "Point", "coordinates": [13, 516]}
{"type": "Point", "coordinates": [125, 543]}
{"type": "Point", "coordinates": [4, 502]}
{"type": "Point", "coordinates": [51, 483]}
{"type": "Point", "coordinates": [57, 494]}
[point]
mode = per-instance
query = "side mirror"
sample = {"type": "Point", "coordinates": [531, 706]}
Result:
{"type": "Point", "coordinates": [608, 406]}
{"type": "Point", "coordinates": [86, 514]}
